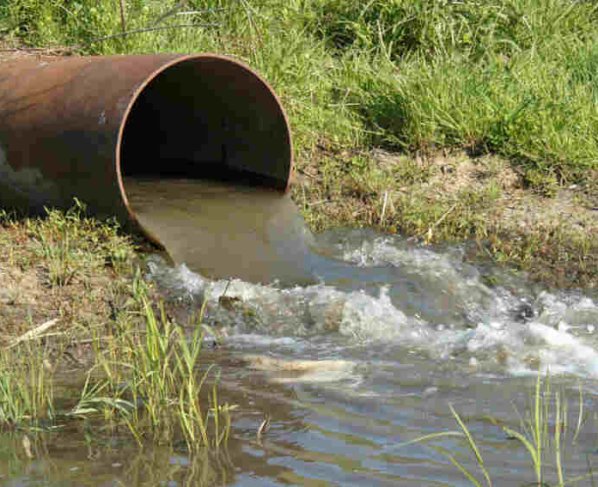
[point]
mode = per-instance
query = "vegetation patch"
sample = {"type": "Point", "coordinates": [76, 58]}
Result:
{"type": "Point", "coordinates": [77, 318]}
{"type": "Point", "coordinates": [66, 267]}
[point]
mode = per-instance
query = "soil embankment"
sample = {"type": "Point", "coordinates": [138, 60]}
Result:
{"type": "Point", "coordinates": [458, 198]}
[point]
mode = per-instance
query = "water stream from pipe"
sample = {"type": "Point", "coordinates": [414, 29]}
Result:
{"type": "Point", "coordinates": [222, 231]}
{"type": "Point", "coordinates": [353, 343]}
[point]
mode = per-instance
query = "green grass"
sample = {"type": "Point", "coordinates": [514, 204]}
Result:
{"type": "Point", "coordinates": [137, 370]}
{"type": "Point", "coordinates": [513, 77]}
{"type": "Point", "coordinates": [71, 244]}
{"type": "Point", "coordinates": [67, 245]}
{"type": "Point", "coordinates": [26, 389]}
{"type": "Point", "coordinates": [144, 373]}
{"type": "Point", "coordinates": [151, 379]}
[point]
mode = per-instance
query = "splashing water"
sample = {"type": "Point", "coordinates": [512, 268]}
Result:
{"type": "Point", "coordinates": [367, 339]}
{"type": "Point", "coordinates": [405, 296]}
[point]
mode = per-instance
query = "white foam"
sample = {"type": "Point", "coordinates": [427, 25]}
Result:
{"type": "Point", "coordinates": [366, 318]}
{"type": "Point", "coordinates": [563, 352]}
{"type": "Point", "coordinates": [557, 336]}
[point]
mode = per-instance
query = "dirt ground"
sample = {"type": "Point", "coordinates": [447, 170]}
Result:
{"type": "Point", "coordinates": [70, 270]}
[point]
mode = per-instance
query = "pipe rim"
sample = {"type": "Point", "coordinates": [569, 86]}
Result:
{"type": "Point", "coordinates": [146, 82]}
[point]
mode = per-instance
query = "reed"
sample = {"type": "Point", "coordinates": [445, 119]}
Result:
{"type": "Point", "coordinates": [147, 377]}
{"type": "Point", "coordinates": [26, 387]}
{"type": "Point", "coordinates": [154, 383]}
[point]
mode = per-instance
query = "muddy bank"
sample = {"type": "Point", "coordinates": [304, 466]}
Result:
{"type": "Point", "coordinates": [453, 198]}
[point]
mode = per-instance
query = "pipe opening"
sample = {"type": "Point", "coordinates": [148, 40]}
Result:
{"type": "Point", "coordinates": [207, 117]}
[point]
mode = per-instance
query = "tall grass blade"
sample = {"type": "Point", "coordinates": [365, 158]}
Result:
{"type": "Point", "coordinates": [530, 448]}
{"type": "Point", "coordinates": [580, 415]}
{"type": "Point", "coordinates": [468, 475]}
{"type": "Point", "coordinates": [557, 440]}
{"type": "Point", "coordinates": [431, 437]}
{"type": "Point", "coordinates": [472, 444]}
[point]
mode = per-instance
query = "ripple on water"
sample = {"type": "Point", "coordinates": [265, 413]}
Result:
{"type": "Point", "coordinates": [513, 330]}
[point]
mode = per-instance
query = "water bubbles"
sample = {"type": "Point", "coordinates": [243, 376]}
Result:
{"type": "Point", "coordinates": [563, 327]}
{"type": "Point", "coordinates": [424, 301]}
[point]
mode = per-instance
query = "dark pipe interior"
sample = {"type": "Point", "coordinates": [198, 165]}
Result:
{"type": "Point", "coordinates": [207, 117]}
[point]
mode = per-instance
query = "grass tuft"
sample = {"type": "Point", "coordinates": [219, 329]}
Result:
{"type": "Point", "coordinates": [26, 387]}
{"type": "Point", "coordinates": [149, 378]}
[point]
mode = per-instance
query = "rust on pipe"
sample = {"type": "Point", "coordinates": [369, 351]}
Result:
{"type": "Point", "coordinates": [77, 127]}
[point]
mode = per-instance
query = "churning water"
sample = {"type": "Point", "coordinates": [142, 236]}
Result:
{"type": "Point", "coordinates": [356, 342]}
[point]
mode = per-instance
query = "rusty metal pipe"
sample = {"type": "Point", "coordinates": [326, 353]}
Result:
{"type": "Point", "coordinates": [76, 127]}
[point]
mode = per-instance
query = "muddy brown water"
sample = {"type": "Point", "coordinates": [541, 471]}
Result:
{"type": "Point", "coordinates": [222, 231]}
{"type": "Point", "coordinates": [352, 343]}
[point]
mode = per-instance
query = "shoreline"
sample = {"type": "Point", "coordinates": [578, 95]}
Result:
{"type": "Point", "coordinates": [454, 198]}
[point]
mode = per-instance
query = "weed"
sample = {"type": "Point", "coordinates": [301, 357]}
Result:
{"type": "Point", "coordinates": [70, 245]}
{"type": "Point", "coordinates": [150, 379]}
{"type": "Point", "coordinates": [26, 387]}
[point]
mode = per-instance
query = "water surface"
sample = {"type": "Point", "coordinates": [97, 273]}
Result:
{"type": "Point", "coordinates": [352, 343]}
